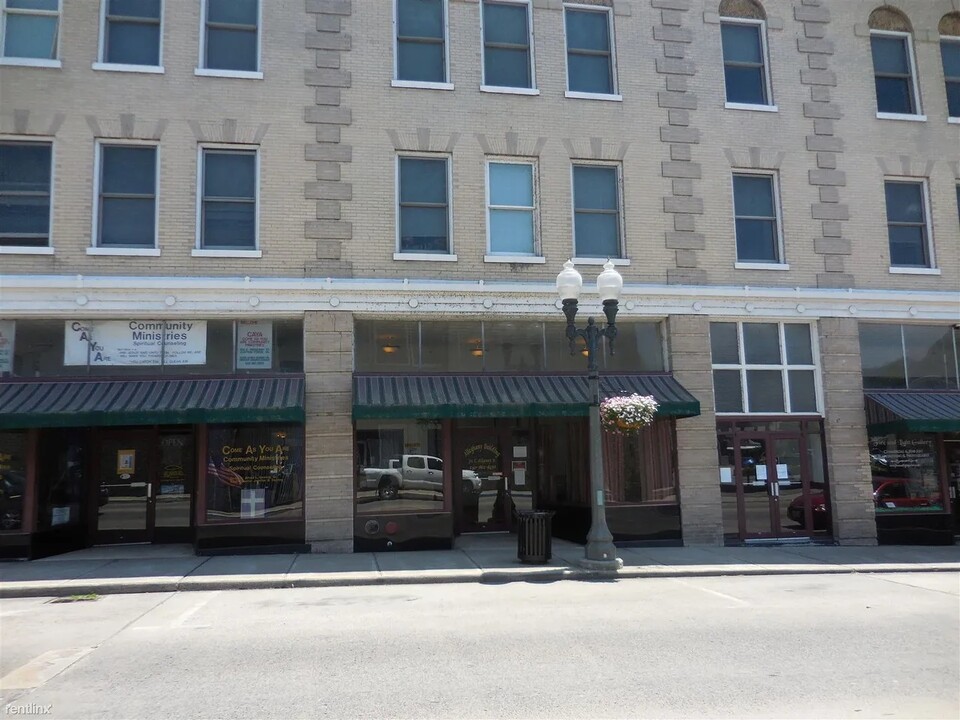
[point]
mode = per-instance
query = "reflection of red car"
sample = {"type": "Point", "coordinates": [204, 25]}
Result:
{"type": "Point", "coordinates": [887, 493]}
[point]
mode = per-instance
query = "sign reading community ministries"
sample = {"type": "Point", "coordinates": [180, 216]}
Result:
{"type": "Point", "coordinates": [135, 342]}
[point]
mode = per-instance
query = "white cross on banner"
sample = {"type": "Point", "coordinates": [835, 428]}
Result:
{"type": "Point", "coordinates": [253, 503]}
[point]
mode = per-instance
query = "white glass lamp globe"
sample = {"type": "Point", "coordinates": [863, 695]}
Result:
{"type": "Point", "coordinates": [569, 282]}
{"type": "Point", "coordinates": [609, 282]}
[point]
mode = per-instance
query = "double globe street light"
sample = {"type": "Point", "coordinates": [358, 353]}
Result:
{"type": "Point", "coordinates": [600, 553]}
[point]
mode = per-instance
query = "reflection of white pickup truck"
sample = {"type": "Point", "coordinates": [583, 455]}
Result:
{"type": "Point", "coordinates": [412, 472]}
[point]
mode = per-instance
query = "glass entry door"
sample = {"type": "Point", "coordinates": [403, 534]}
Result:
{"type": "Point", "coordinates": [485, 501]}
{"type": "Point", "coordinates": [127, 460]}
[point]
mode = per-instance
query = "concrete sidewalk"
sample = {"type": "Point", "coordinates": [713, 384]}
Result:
{"type": "Point", "coordinates": [485, 559]}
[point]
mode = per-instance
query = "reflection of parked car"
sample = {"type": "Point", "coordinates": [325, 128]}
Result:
{"type": "Point", "coordinates": [11, 499]}
{"type": "Point", "coordinates": [889, 493]}
{"type": "Point", "coordinates": [412, 472]}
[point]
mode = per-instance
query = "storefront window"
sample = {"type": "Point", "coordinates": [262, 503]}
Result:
{"type": "Point", "coordinates": [513, 347]}
{"type": "Point", "coordinates": [452, 347]}
{"type": "Point", "coordinates": [639, 467]}
{"type": "Point", "coordinates": [61, 480]}
{"type": "Point", "coordinates": [563, 462]}
{"type": "Point", "coordinates": [917, 357]}
{"type": "Point", "coordinates": [905, 473]}
{"type": "Point", "coordinates": [13, 479]}
{"type": "Point", "coordinates": [254, 472]}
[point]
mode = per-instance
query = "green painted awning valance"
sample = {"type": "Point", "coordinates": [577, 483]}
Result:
{"type": "Point", "coordinates": [78, 403]}
{"type": "Point", "coordinates": [901, 411]}
{"type": "Point", "coordinates": [474, 396]}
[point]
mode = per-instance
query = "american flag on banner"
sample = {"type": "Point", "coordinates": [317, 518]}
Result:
{"type": "Point", "coordinates": [224, 475]}
{"type": "Point", "coordinates": [253, 503]}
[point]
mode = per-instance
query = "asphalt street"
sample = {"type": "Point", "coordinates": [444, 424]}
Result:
{"type": "Point", "coordinates": [813, 646]}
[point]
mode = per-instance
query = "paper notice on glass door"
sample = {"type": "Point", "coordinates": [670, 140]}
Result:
{"type": "Point", "coordinates": [726, 475]}
{"type": "Point", "coordinates": [783, 472]}
{"type": "Point", "coordinates": [761, 472]}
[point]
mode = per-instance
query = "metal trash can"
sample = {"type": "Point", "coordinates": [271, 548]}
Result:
{"type": "Point", "coordinates": [534, 536]}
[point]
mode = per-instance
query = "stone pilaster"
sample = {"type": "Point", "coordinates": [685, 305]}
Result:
{"type": "Point", "coordinates": [697, 464]}
{"type": "Point", "coordinates": [848, 459]}
{"type": "Point", "coordinates": [328, 493]}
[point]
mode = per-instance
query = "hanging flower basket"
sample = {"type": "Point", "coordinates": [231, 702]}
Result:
{"type": "Point", "coordinates": [627, 413]}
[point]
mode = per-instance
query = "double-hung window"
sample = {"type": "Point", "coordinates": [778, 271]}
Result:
{"type": "Point", "coordinates": [950, 56]}
{"type": "Point", "coordinates": [507, 44]}
{"type": "Point", "coordinates": [230, 39]}
{"type": "Point", "coordinates": [30, 30]}
{"type": "Point", "coordinates": [590, 62]}
{"type": "Point", "coordinates": [421, 31]}
{"type": "Point", "coordinates": [907, 226]}
{"type": "Point", "coordinates": [511, 208]}
{"type": "Point", "coordinates": [127, 196]}
{"type": "Point", "coordinates": [893, 73]}
{"type": "Point", "coordinates": [131, 32]}
{"type": "Point", "coordinates": [228, 202]}
{"type": "Point", "coordinates": [424, 212]}
{"type": "Point", "coordinates": [756, 218]}
{"type": "Point", "coordinates": [25, 172]}
{"type": "Point", "coordinates": [596, 211]}
{"type": "Point", "coordinates": [744, 62]}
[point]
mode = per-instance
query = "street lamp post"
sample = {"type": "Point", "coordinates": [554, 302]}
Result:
{"type": "Point", "coordinates": [600, 553]}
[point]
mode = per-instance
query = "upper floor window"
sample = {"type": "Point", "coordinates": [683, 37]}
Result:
{"type": "Point", "coordinates": [424, 205]}
{"type": "Point", "coordinates": [950, 55]}
{"type": "Point", "coordinates": [744, 66]}
{"type": "Point", "coordinates": [914, 357]}
{"type": "Point", "coordinates": [894, 72]}
{"type": "Point", "coordinates": [127, 196]}
{"type": "Point", "coordinates": [230, 40]}
{"type": "Point", "coordinates": [421, 35]}
{"type": "Point", "coordinates": [763, 368]}
{"type": "Point", "coordinates": [228, 201]}
{"type": "Point", "coordinates": [507, 44]}
{"type": "Point", "coordinates": [25, 172]}
{"type": "Point", "coordinates": [590, 65]}
{"type": "Point", "coordinates": [511, 208]}
{"type": "Point", "coordinates": [596, 211]}
{"type": "Point", "coordinates": [756, 214]}
{"type": "Point", "coordinates": [30, 29]}
{"type": "Point", "coordinates": [907, 226]}
{"type": "Point", "coordinates": [131, 32]}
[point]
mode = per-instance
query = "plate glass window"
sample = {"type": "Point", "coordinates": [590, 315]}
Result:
{"type": "Point", "coordinates": [25, 194]}
{"type": "Point", "coordinates": [506, 45]}
{"type": "Point", "coordinates": [589, 51]}
{"type": "Point", "coordinates": [421, 44]}
{"type": "Point", "coordinates": [128, 199]}
{"type": "Point", "coordinates": [950, 55]}
{"type": "Point", "coordinates": [596, 203]}
{"type": "Point", "coordinates": [231, 35]}
{"type": "Point", "coordinates": [229, 205]}
{"type": "Point", "coordinates": [893, 74]}
{"type": "Point", "coordinates": [132, 32]}
{"type": "Point", "coordinates": [755, 213]}
{"type": "Point", "coordinates": [424, 206]}
{"type": "Point", "coordinates": [512, 213]}
{"type": "Point", "coordinates": [907, 224]}
{"type": "Point", "coordinates": [30, 28]}
{"type": "Point", "coordinates": [743, 63]}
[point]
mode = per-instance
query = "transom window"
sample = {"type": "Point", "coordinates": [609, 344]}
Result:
{"type": "Point", "coordinates": [131, 32]}
{"type": "Point", "coordinates": [589, 50]}
{"type": "Point", "coordinates": [596, 211]}
{"type": "Point", "coordinates": [30, 29]}
{"type": "Point", "coordinates": [229, 201]}
{"type": "Point", "coordinates": [127, 198]}
{"type": "Point", "coordinates": [907, 227]}
{"type": "Point", "coordinates": [893, 73]}
{"type": "Point", "coordinates": [421, 40]}
{"type": "Point", "coordinates": [950, 56]}
{"type": "Point", "coordinates": [511, 208]}
{"type": "Point", "coordinates": [507, 40]}
{"type": "Point", "coordinates": [744, 66]}
{"type": "Point", "coordinates": [913, 357]}
{"type": "Point", "coordinates": [756, 212]}
{"type": "Point", "coordinates": [763, 368]}
{"type": "Point", "coordinates": [424, 225]}
{"type": "Point", "coordinates": [25, 170]}
{"type": "Point", "coordinates": [231, 35]}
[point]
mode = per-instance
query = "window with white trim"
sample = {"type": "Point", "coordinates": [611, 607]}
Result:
{"type": "Point", "coordinates": [127, 196]}
{"type": "Point", "coordinates": [589, 37]}
{"type": "Point", "coordinates": [228, 201]}
{"type": "Point", "coordinates": [29, 29]}
{"type": "Point", "coordinates": [764, 368]}
{"type": "Point", "coordinates": [25, 187]}
{"type": "Point", "coordinates": [893, 71]}
{"type": "Point", "coordinates": [421, 40]}
{"type": "Point", "coordinates": [231, 35]}
{"type": "Point", "coordinates": [512, 208]}
{"type": "Point", "coordinates": [596, 211]}
{"type": "Point", "coordinates": [131, 32]}
{"type": "Point", "coordinates": [908, 228]}
{"type": "Point", "coordinates": [507, 43]}
{"type": "Point", "coordinates": [745, 61]}
{"type": "Point", "coordinates": [424, 204]}
{"type": "Point", "coordinates": [950, 57]}
{"type": "Point", "coordinates": [756, 210]}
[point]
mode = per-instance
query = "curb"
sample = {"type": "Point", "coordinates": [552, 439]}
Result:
{"type": "Point", "coordinates": [69, 588]}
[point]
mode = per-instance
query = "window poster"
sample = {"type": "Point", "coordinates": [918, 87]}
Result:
{"type": "Point", "coordinates": [7, 329]}
{"type": "Point", "coordinates": [254, 344]}
{"type": "Point", "coordinates": [135, 342]}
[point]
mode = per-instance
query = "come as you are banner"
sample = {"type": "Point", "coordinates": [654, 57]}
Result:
{"type": "Point", "coordinates": [135, 342]}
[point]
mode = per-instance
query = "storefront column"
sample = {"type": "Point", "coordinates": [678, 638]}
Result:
{"type": "Point", "coordinates": [328, 491]}
{"type": "Point", "coordinates": [848, 460]}
{"type": "Point", "coordinates": [698, 467]}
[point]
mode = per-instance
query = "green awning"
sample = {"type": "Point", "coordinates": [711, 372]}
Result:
{"type": "Point", "coordinates": [79, 403]}
{"type": "Point", "coordinates": [903, 411]}
{"type": "Point", "coordinates": [474, 396]}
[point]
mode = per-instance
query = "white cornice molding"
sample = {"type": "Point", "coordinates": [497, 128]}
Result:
{"type": "Point", "coordinates": [122, 296]}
